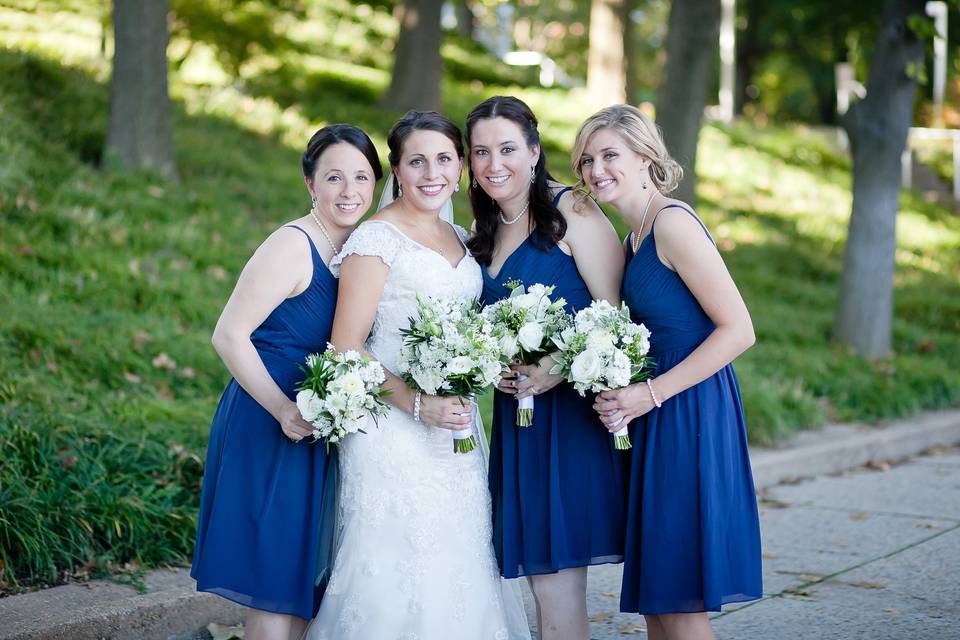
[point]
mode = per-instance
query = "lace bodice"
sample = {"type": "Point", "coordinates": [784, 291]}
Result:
{"type": "Point", "coordinates": [414, 269]}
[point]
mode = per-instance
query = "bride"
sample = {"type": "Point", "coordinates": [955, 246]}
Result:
{"type": "Point", "coordinates": [414, 553]}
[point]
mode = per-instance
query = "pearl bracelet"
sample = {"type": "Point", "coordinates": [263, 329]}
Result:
{"type": "Point", "coordinates": [653, 396]}
{"type": "Point", "coordinates": [416, 405]}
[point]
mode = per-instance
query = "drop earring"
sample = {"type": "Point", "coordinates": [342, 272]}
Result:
{"type": "Point", "coordinates": [474, 183]}
{"type": "Point", "coordinates": [456, 187]}
{"type": "Point", "coordinates": [533, 174]}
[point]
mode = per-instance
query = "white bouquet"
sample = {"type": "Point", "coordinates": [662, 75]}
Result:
{"type": "Point", "coordinates": [450, 350]}
{"type": "Point", "coordinates": [339, 392]}
{"type": "Point", "coordinates": [526, 324]}
{"type": "Point", "coordinates": [604, 350]}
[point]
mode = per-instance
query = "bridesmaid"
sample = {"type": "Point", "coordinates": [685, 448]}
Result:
{"type": "Point", "coordinates": [260, 514]}
{"type": "Point", "coordinates": [693, 536]}
{"type": "Point", "coordinates": [558, 486]}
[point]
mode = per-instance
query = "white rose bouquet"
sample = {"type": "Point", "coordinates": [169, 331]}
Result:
{"type": "Point", "coordinates": [604, 350]}
{"type": "Point", "coordinates": [450, 350]}
{"type": "Point", "coordinates": [339, 392]}
{"type": "Point", "coordinates": [526, 324]}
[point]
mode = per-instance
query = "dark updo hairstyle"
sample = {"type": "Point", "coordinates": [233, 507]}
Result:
{"type": "Point", "coordinates": [333, 134]}
{"type": "Point", "coordinates": [549, 224]}
{"type": "Point", "coordinates": [419, 121]}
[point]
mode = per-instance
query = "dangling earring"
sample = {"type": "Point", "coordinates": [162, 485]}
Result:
{"type": "Point", "coordinates": [644, 185]}
{"type": "Point", "coordinates": [456, 187]}
{"type": "Point", "coordinates": [474, 183]}
{"type": "Point", "coordinates": [313, 203]}
{"type": "Point", "coordinates": [533, 174]}
{"type": "Point", "coordinates": [399, 190]}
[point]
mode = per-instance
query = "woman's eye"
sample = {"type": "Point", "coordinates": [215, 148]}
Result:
{"type": "Point", "coordinates": [480, 152]}
{"type": "Point", "coordinates": [416, 163]}
{"type": "Point", "coordinates": [444, 158]}
{"type": "Point", "coordinates": [585, 161]}
{"type": "Point", "coordinates": [362, 177]}
{"type": "Point", "coordinates": [333, 179]}
{"type": "Point", "coordinates": [507, 150]}
{"type": "Point", "coordinates": [609, 156]}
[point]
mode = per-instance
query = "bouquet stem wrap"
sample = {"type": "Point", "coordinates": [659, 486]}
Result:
{"type": "Point", "coordinates": [464, 440]}
{"type": "Point", "coordinates": [621, 438]}
{"type": "Point", "coordinates": [524, 408]}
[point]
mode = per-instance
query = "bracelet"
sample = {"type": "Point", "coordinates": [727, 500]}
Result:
{"type": "Point", "coordinates": [416, 405]}
{"type": "Point", "coordinates": [653, 396]}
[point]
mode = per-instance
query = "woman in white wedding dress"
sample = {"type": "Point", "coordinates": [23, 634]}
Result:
{"type": "Point", "coordinates": [414, 552]}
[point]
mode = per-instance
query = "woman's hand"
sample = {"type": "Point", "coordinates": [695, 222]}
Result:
{"type": "Point", "coordinates": [619, 406]}
{"type": "Point", "coordinates": [538, 378]}
{"type": "Point", "coordinates": [446, 412]}
{"type": "Point", "coordinates": [292, 423]}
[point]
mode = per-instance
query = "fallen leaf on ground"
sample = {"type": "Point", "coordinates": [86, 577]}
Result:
{"type": "Point", "coordinates": [610, 594]}
{"type": "Point", "coordinates": [878, 465]}
{"type": "Point", "coordinates": [859, 516]}
{"type": "Point", "coordinates": [926, 525]}
{"type": "Point", "coordinates": [891, 610]}
{"type": "Point", "coordinates": [600, 617]}
{"type": "Point", "coordinates": [633, 628]}
{"type": "Point", "coordinates": [224, 632]}
{"type": "Point", "coordinates": [163, 361]}
{"type": "Point", "coordinates": [863, 584]}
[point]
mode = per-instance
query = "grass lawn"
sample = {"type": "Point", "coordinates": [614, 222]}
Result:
{"type": "Point", "coordinates": [110, 283]}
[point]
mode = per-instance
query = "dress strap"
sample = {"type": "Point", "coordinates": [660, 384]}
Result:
{"type": "Point", "coordinates": [313, 247]}
{"type": "Point", "coordinates": [683, 208]}
{"type": "Point", "coordinates": [556, 198]}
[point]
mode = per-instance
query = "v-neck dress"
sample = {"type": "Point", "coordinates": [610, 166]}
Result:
{"type": "Point", "coordinates": [559, 485]}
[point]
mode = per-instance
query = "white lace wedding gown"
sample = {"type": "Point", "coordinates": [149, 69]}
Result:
{"type": "Point", "coordinates": [414, 556]}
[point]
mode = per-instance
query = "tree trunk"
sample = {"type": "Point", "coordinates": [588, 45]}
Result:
{"type": "Point", "coordinates": [417, 68]}
{"type": "Point", "coordinates": [877, 127]}
{"type": "Point", "coordinates": [140, 129]}
{"type": "Point", "coordinates": [692, 40]}
{"type": "Point", "coordinates": [466, 22]}
{"type": "Point", "coordinates": [631, 85]}
{"type": "Point", "coordinates": [606, 69]}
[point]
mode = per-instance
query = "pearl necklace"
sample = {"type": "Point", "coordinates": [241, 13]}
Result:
{"type": "Point", "coordinates": [323, 230]}
{"type": "Point", "coordinates": [635, 240]}
{"type": "Point", "coordinates": [519, 215]}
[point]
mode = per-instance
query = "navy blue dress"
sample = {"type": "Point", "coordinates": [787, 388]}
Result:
{"type": "Point", "coordinates": [258, 536]}
{"type": "Point", "coordinates": [558, 486]}
{"type": "Point", "coordinates": [693, 534]}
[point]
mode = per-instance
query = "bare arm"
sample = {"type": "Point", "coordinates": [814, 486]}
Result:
{"type": "Point", "coordinates": [266, 280]}
{"type": "Point", "coordinates": [362, 279]}
{"type": "Point", "coordinates": [683, 244]}
{"type": "Point", "coordinates": [596, 249]}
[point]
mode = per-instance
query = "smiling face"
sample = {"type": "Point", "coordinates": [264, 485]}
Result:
{"type": "Point", "coordinates": [428, 170]}
{"type": "Point", "coordinates": [501, 160]}
{"type": "Point", "coordinates": [343, 185]}
{"type": "Point", "coordinates": [611, 169]}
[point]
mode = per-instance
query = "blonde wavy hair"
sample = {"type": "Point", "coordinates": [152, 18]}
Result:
{"type": "Point", "coordinates": [641, 135]}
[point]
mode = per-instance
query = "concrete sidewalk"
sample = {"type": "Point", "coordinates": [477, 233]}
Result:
{"type": "Point", "coordinates": [872, 554]}
{"type": "Point", "coordinates": [869, 554]}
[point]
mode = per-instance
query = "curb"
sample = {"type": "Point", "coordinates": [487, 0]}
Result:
{"type": "Point", "coordinates": [102, 610]}
{"type": "Point", "coordinates": [171, 606]}
{"type": "Point", "coordinates": [837, 448]}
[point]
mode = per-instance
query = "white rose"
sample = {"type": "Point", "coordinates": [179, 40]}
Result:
{"type": "Point", "coordinates": [530, 336]}
{"type": "Point", "coordinates": [459, 365]}
{"type": "Point", "coordinates": [509, 346]}
{"type": "Point", "coordinates": [586, 366]}
{"type": "Point", "coordinates": [309, 404]}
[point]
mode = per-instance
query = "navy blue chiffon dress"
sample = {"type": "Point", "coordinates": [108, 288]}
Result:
{"type": "Point", "coordinates": [558, 486]}
{"type": "Point", "coordinates": [693, 534]}
{"type": "Point", "coordinates": [259, 531]}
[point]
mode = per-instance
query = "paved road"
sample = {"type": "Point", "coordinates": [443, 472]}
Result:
{"type": "Point", "coordinates": [872, 554]}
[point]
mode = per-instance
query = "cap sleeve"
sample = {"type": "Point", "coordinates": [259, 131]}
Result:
{"type": "Point", "coordinates": [372, 238]}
